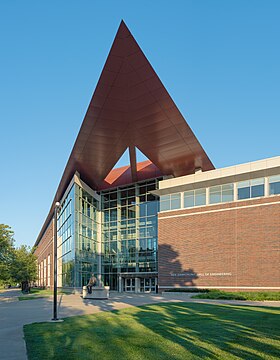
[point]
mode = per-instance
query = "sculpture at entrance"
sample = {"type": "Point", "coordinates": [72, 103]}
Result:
{"type": "Point", "coordinates": [91, 283]}
{"type": "Point", "coordinates": [95, 289]}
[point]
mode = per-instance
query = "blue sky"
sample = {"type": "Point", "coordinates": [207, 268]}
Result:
{"type": "Point", "coordinates": [219, 60]}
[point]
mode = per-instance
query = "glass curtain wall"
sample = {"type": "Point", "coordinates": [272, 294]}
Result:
{"type": "Point", "coordinates": [77, 238]}
{"type": "Point", "coordinates": [129, 231]}
{"type": "Point", "coordinates": [86, 234]}
{"type": "Point", "coordinates": [66, 241]}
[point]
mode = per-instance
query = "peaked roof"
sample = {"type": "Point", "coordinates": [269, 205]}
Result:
{"type": "Point", "coordinates": [131, 108]}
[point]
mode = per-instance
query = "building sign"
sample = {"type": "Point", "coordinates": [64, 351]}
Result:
{"type": "Point", "coordinates": [198, 275]}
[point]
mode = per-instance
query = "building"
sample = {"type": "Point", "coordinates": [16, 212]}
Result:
{"type": "Point", "coordinates": [227, 228]}
{"type": "Point", "coordinates": [170, 221]}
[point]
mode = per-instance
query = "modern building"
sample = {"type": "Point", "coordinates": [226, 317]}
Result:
{"type": "Point", "coordinates": [171, 221]}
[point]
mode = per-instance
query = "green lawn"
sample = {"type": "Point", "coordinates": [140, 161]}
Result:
{"type": "Point", "coordinates": [161, 331]}
{"type": "Point", "coordinates": [36, 293]}
{"type": "Point", "coordinates": [240, 295]}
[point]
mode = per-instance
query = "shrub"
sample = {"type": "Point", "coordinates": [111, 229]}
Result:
{"type": "Point", "coordinates": [188, 290]}
{"type": "Point", "coordinates": [241, 295]}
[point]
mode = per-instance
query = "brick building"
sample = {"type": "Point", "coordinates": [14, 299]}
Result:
{"type": "Point", "coordinates": [221, 229]}
{"type": "Point", "coordinates": [170, 221]}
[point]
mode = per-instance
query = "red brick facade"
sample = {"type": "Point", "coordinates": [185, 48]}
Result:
{"type": "Point", "coordinates": [235, 245]}
{"type": "Point", "coordinates": [44, 253]}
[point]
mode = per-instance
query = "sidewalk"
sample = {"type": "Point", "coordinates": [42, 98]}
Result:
{"type": "Point", "coordinates": [9, 294]}
{"type": "Point", "coordinates": [14, 314]}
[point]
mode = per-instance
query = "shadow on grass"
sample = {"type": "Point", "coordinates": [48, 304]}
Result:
{"type": "Point", "coordinates": [248, 333]}
{"type": "Point", "coordinates": [161, 331]}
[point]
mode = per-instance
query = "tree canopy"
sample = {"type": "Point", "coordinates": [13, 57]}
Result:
{"type": "Point", "coordinates": [16, 264]}
{"type": "Point", "coordinates": [24, 267]}
{"type": "Point", "coordinates": [6, 252]}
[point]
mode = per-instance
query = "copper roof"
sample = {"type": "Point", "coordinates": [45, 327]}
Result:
{"type": "Point", "coordinates": [131, 108]}
{"type": "Point", "coordinates": [122, 176]}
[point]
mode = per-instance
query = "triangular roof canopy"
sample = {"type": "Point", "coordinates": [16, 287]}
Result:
{"type": "Point", "coordinates": [131, 108]}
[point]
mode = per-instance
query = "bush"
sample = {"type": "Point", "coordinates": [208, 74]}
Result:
{"type": "Point", "coordinates": [241, 295]}
{"type": "Point", "coordinates": [216, 294]}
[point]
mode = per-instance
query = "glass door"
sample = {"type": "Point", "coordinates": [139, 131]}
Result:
{"type": "Point", "coordinates": [148, 285]}
{"type": "Point", "coordinates": [130, 285]}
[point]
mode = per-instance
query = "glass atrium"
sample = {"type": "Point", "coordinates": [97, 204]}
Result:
{"type": "Point", "coordinates": [113, 234]}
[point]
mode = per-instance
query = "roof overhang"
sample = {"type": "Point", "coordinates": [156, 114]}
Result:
{"type": "Point", "coordinates": [130, 108]}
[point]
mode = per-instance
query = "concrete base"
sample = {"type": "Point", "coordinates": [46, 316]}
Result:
{"type": "Point", "coordinates": [101, 292]}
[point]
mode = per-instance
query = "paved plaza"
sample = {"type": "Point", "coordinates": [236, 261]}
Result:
{"type": "Point", "coordinates": [14, 314]}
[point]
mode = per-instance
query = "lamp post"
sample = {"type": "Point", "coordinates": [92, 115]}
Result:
{"type": "Point", "coordinates": [56, 207]}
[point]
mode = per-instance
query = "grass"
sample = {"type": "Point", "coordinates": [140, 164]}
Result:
{"type": "Point", "coordinates": [30, 297]}
{"type": "Point", "coordinates": [240, 295]}
{"type": "Point", "coordinates": [36, 293]}
{"type": "Point", "coordinates": [176, 331]}
{"type": "Point", "coordinates": [188, 290]}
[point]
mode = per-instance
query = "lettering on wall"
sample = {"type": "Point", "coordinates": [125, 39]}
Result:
{"type": "Point", "coordinates": [205, 274]}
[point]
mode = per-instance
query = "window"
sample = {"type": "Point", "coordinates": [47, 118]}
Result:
{"type": "Point", "coordinates": [200, 197]}
{"type": "Point", "coordinates": [274, 185]}
{"type": "Point", "coordinates": [221, 193]}
{"type": "Point", "coordinates": [189, 199]}
{"type": "Point", "coordinates": [227, 192]}
{"type": "Point", "coordinates": [250, 188]}
{"type": "Point", "coordinates": [170, 202]}
{"type": "Point", "coordinates": [244, 190]}
{"type": "Point", "coordinates": [215, 194]}
{"type": "Point", "coordinates": [152, 208]}
{"type": "Point", "coordinates": [175, 201]}
{"type": "Point", "coordinates": [194, 198]}
{"type": "Point", "coordinates": [257, 187]}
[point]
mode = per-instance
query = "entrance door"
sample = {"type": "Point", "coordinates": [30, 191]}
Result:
{"type": "Point", "coordinates": [148, 285]}
{"type": "Point", "coordinates": [129, 285]}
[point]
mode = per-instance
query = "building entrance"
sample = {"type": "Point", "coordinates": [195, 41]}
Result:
{"type": "Point", "coordinates": [148, 285]}
{"type": "Point", "coordinates": [129, 285]}
{"type": "Point", "coordinates": [139, 285]}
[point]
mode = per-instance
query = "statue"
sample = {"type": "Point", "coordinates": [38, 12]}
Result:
{"type": "Point", "coordinates": [91, 283]}
{"type": "Point", "coordinates": [99, 292]}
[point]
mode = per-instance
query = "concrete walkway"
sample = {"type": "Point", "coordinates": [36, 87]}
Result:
{"type": "Point", "coordinates": [14, 314]}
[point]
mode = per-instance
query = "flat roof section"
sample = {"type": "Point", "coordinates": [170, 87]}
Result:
{"type": "Point", "coordinates": [236, 173]}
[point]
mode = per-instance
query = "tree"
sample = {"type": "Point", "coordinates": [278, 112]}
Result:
{"type": "Point", "coordinates": [24, 267]}
{"type": "Point", "coordinates": [6, 253]}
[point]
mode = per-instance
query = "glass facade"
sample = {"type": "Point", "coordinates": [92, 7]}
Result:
{"type": "Point", "coordinates": [86, 236]}
{"type": "Point", "coordinates": [77, 238]}
{"type": "Point", "coordinates": [114, 231]}
{"type": "Point", "coordinates": [129, 232]}
{"type": "Point", "coordinates": [65, 240]}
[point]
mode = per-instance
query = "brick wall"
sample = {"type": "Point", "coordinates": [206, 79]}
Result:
{"type": "Point", "coordinates": [43, 250]}
{"type": "Point", "coordinates": [226, 245]}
